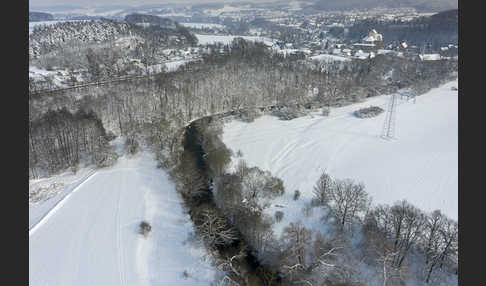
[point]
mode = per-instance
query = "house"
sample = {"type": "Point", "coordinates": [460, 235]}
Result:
{"type": "Point", "coordinates": [370, 43]}
{"type": "Point", "coordinates": [374, 38]}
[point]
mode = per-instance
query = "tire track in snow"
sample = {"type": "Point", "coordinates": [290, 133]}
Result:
{"type": "Point", "coordinates": [120, 250]}
{"type": "Point", "coordinates": [58, 205]}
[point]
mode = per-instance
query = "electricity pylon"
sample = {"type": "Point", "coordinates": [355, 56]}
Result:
{"type": "Point", "coordinates": [388, 131]}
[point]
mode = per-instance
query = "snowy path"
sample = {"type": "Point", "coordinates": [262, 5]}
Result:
{"type": "Point", "coordinates": [420, 166]}
{"type": "Point", "coordinates": [92, 239]}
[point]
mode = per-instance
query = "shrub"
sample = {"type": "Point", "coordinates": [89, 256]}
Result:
{"type": "Point", "coordinates": [279, 216]}
{"type": "Point", "coordinates": [248, 115]}
{"type": "Point", "coordinates": [239, 154]}
{"type": "Point", "coordinates": [145, 228]}
{"type": "Point", "coordinates": [287, 113]}
{"type": "Point", "coordinates": [307, 210]}
{"type": "Point", "coordinates": [326, 111]}
{"type": "Point", "coordinates": [368, 112]}
{"type": "Point", "coordinates": [110, 135]}
{"type": "Point", "coordinates": [296, 195]}
{"type": "Point", "coordinates": [74, 168]}
{"type": "Point", "coordinates": [185, 274]}
{"type": "Point", "coordinates": [131, 145]}
{"type": "Point", "coordinates": [105, 158]}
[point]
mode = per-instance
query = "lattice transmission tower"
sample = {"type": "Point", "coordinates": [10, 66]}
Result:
{"type": "Point", "coordinates": [388, 131]}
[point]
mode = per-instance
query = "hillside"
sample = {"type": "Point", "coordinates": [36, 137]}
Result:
{"type": "Point", "coordinates": [150, 19]}
{"type": "Point", "coordinates": [45, 39]}
{"type": "Point", "coordinates": [438, 30]}
{"type": "Point", "coordinates": [40, 16]}
{"type": "Point", "coordinates": [421, 5]}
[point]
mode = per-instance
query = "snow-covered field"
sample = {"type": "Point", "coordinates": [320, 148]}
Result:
{"type": "Point", "coordinates": [329, 58]}
{"type": "Point", "coordinates": [226, 40]}
{"type": "Point", "coordinates": [202, 25]}
{"type": "Point", "coordinates": [91, 237]}
{"type": "Point", "coordinates": [46, 193]}
{"type": "Point", "coordinates": [420, 165]}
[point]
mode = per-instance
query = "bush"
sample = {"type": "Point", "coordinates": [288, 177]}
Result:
{"type": "Point", "coordinates": [307, 210]}
{"type": "Point", "coordinates": [105, 158]}
{"type": "Point", "coordinates": [145, 228]}
{"type": "Point", "coordinates": [131, 145]}
{"type": "Point", "coordinates": [279, 216]}
{"type": "Point", "coordinates": [110, 136]}
{"type": "Point", "coordinates": [185, 274]}
{"type": "Point", "coordinates": [368, 112]}
{"type": "Point", "coordinates": [326, 111]}
{"type": "Point", "coordinates": [248, 115]}
{"type": "Point", "coordinates": [296, 195]}
{"type": "Point", "coordinates": [288, 113]}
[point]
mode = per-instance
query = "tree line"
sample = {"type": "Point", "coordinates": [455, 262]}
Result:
{"type": "Point", "coordinates": [61, 139]}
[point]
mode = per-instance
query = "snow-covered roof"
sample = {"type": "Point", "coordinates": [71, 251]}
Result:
{"type": "Point", "coordinates": [364, 45]}
{"type": "Point", "coordinates": [373, 36]}
{"type": "Point", "coordinates": [336, 51]}
{"type": "Point", "coordinates": [383, 51]}
{"type": "Point", "coordinates": [329, 58]}
{"type": "Point", "coordinates": [430, 57]}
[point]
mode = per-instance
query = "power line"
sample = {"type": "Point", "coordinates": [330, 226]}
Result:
{"type": "Point", "coordinates": [388, 131]}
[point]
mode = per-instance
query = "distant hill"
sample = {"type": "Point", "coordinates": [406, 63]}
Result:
{"type": "Point", "coordinates": [40, 16]}
{"type": "Point", "coordinates": [45, 39]}
{"type": "Point", "coordinates": [150, 19]}
{"type": "Point", "coordinates": [420, 5]}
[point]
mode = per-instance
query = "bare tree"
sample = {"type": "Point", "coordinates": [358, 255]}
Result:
{"type": "Point", "coordinates": [323, 188]}
{"type": "Point", "coordinates": [348, 200]}
{"type": "Point", "coordinates": [214, 229]}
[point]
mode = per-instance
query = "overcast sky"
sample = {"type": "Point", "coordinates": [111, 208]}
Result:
{"type": "Point", "coordinates": [97, 3]}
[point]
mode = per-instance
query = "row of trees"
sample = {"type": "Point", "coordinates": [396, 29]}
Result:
{"type": "Point", "coordinates": [393, 231]}
{"type": "Point", "coordinates": [246, 77]}
{"type": "Point", "coordinates": [61, 139]}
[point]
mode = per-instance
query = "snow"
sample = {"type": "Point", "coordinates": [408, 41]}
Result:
{"type": "Point", "coordinates": [430, 57]}
{"type": "Point", "coordinates": [202, 25]}
{"type": "Point", "coordinates": [420, 165]}
{"type": "Point", "coordinates": [174, 65]}
{"type": "Point", "coordinates": [286, 52]}
{"type": "Point", "coordinates": [226, 40]}
{"type": "Point", "coordinates": [362, 55]}
{"type": "Point", "coordinates": [383, 51]}
{"type": "Point", "coordinates": [225, 9]}
{"type": "Point", "coordinates": [92, 237]}
{"type": "Point", "coordinates": [329, 58]}
{"type": "Point", "coordinates": [373, 36]}
{"type": "Point", "coordinates": [46, 193]}
{"type": "Point", "coordinates": [58, 76]}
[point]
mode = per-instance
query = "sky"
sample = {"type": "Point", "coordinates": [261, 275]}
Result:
{"type": "Point", "coordinates": [97, 3]}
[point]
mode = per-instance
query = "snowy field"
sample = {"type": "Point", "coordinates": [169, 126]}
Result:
{"type": "Point", "coordinates": [202, 25]}
{"type": "Point", "coordinates": [420, 165]}
{"type": "Point", "coordinates": [329, 58]}
{"type": "Point", "coordinates": [91, 237]}
{"type": "Point", "coordinates": [226, 40]}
